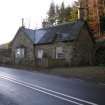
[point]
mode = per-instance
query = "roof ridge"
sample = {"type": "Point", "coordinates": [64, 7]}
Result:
{"type": "Point", "coordinates": [30, 29]}
{"type": "Point", "coordinates": [67, 23]}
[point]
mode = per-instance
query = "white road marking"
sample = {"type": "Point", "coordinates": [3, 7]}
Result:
{"type": "Point", "coordinates": [62, 98]}
{"type": "Point", "coordinates": [51, 92]}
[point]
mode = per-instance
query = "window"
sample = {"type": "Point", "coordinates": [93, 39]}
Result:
{"type": "Point", "coordinates": [20, 53]}
{"type": "Point", "coordinates": [40, 53]}
{"type": "Point", "coordinates": [59, 53]}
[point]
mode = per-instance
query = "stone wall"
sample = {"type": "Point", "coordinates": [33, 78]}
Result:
{"type": "Point", "coordinates": [50, 54]}
{"type": "Point", "coordinates": [22, 40]}
{"type": "Point", "coordinates": [83, 49]}
{"type": "Point", "coordinates": [76, 53]}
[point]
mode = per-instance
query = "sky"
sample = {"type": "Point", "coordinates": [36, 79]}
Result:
{"type": "Point", "coordinates": [33, 12]}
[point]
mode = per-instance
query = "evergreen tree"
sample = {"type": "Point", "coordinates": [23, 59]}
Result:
{"type": "Point", "coordinates": [57, 10]}
{"type": "Point", "coordinates": [57, 14]}
{"type": "Point", "coordinates": [67, 13]}
{"type": "Point", "coordinates": [60, 14]}
{"type": "Point", "coordinates": [51, 14]}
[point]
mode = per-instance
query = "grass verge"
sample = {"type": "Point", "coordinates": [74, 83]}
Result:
{"type": "Point", "coordinates": [96, 74]}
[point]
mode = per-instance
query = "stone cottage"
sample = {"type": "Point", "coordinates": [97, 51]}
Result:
{"type": "Point", "coordinates": [23, 46]}
{"type": "Point", "coordinates": [68, 44]}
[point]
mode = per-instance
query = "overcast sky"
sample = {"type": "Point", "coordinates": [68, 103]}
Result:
{"type": "Point", "coordinates": [12, 11]}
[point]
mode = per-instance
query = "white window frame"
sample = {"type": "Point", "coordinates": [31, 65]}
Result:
{"type": "Point", "coordinates": [20, 53]}
{"type": "Point", "coordinates": [40, 53]}
{"type": "Point", "coordinates": [59, 53]}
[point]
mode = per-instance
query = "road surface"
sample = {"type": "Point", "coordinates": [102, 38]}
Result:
{"type": "Point", "coordinates": [20, 87]}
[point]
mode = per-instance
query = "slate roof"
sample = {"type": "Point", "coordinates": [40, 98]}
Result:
{"type": "Point", "coordinates": [30, 33]}
{"type": "Point", "coordinates": [35, 35]}
{"type": "Point", "coordinates": [63, 32]}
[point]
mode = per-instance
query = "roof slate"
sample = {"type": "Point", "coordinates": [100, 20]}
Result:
{"type": "Point", "coordinates": [63, 32]}
{"type": "Point", "coordinates": [35, 35]}
{"type": "Point", "coordinates": [30, 33]}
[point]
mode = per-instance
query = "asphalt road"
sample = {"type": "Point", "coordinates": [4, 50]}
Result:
{"type": "Point", "coordinates": [20, 87]}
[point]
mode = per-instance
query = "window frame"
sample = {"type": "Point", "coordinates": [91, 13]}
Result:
{"type": "Point", "coordinates": [57, 52]}
{"type": "Point", "coordinates": [20, 53]}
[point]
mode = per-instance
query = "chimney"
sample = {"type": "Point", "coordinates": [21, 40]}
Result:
{"type": "Point", "coordinates": [23, 22]}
